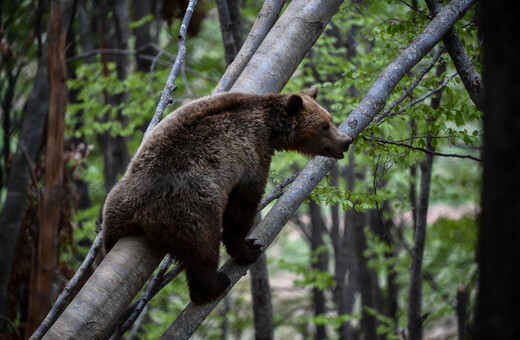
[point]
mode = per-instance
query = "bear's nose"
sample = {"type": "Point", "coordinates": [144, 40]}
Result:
{"type": "Point", "coordinates": [345, 141]}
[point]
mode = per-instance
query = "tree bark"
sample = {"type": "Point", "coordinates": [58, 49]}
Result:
{"type": "Point", "coordinates": [40, 301]}
{"type": "Point", "coordinates": [35, 116]}
{"type": "Point", "coordinates": [261, 296]}
{"type": "Point", "coordinates": [263, 24]}
{"type": "Point", "coordinates": [107, 293]}
{"type": "Point", "coordinates": [498, 297]}
{"type": "Point", "coordinates": [230, 27]}
{"type": "Point", "coordinates": [143, 38]}
{"type": "Point", "coordinates": [321, 263]}
{"type": "Point", "coordinates": [114, 34]}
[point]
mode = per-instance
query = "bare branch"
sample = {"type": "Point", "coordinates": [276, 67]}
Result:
{"type": "Point", "coordinates": [379, 119]}
{"type": "Point", "coordinates": [384, 141]}
{"type": "Point", "coordinates": [276, 192]}
{"type": "Point", "coordinates": [416, 82]}
{"type": "Point", "coordinates": [166, 96]}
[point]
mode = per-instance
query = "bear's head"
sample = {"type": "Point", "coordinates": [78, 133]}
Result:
{"type": "Point", "coordinates": [314, 132]}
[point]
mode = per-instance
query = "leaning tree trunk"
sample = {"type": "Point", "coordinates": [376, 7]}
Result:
{"type": "Point", "coordinates": [268, 71]}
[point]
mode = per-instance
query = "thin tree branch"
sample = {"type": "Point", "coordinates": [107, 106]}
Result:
{"type": "Point", "coordinates": [277, 191]}
{"type": "Point", "coordinates": [379, 119]}
{"type": "Point", "coordinates": [384, 141]}
{"type": "Point", "coordinates": [416, 82]}
{"type": "Point", "coordinates": [166, 95]}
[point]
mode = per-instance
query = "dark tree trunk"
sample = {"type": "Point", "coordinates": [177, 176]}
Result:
{"type": "Point", "coordinates": [143, 38]}
{"type": "Point", "coordinates": [498, 297]}
{"type": "Point", "coordinates": [114, 34]}
{"type": "Point", "coordinates": [230, 27]}
{"type": "Point", "coordinates": [35, 115]}
{"type": "Point", "coordinates": [415, 319]}
{"type": "Point", "coordinates": [367, 284]}
{"type": "Point", "coordinates": [462, 311]}
{"type": "Point", "coordinates": [40, 299]}
{"type": "Point", "coordinates": [322, 259]}
{"type": "Point", "coordinates": [261, 294]}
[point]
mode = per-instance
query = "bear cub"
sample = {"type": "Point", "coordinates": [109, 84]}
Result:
{"type": "Point", "coordinates": [201, 172]}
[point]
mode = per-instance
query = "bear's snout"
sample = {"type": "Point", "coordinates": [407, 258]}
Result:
{"type": "Point", "coordinates": [338, 144]}
{"type": "Point", "coordinates": [344, 141]}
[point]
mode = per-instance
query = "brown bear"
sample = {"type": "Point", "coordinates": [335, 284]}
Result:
{"type": "Point", "coordinates": [203, 170]}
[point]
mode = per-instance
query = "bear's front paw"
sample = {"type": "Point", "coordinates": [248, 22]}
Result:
{"type": "Point", "coordinates": [248, 252]}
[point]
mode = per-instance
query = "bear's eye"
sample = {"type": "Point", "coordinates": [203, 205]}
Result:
{"type": "Point", "coordinates": [325, 127]}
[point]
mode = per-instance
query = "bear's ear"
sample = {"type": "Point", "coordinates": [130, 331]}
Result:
{"type": "Point", "coordinates": [294, 103]}
{"type": "Point", "coordinates": [312, 92]}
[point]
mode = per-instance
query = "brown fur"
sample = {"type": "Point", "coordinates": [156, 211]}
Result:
{"type": "Point", "coordinates": [204, 168]}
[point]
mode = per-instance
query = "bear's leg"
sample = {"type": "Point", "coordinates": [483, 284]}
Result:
{"type": "Point", "coordinates": [237, 222]}
{"type": "Point", "coordinates": [201, 263]}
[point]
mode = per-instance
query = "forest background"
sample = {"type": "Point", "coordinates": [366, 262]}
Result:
{"type": "Point", "coordinates": [383, 248]}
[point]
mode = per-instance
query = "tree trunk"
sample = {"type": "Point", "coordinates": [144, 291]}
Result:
{"type": "Point", "coordinates": [366, 283]}
{"type": "Point", "coordinates": [462, 311]}
{"type": "Point", "coordinates": [40, 301]}
{"type": "Point", "coordinates": [13, 211]}
{"type": "Point", "coordinates": [321, 263]}
{"type": "Point", "coordinates": [261, 295]}
{"type": "Point", "coordinates": [114, 34]}
{"type": "Point", "coordinates": [143, 38]}
{"type": "Point", "coordinates": [230, 27]}
{"type": "Point", "coordinates": [346, 261]}
{"type": "Point", "coordinates": [415, 319]}
{"type": "Point", "coordinates": [498, 298]}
